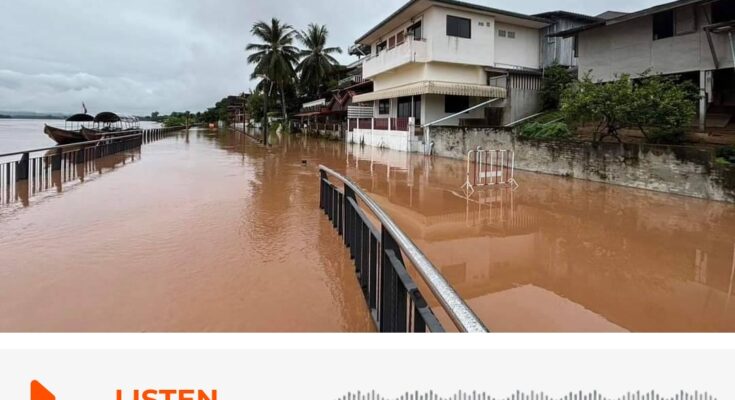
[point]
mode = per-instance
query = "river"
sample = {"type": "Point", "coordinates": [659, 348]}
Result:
{"type": "Point", "coordinates": [209, 231]}
{"type": "Point", "coordinates": [23, 134]}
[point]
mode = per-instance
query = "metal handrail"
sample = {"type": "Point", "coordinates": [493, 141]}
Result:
{"type": "Point", "coordinates": [71, 145]}
{"type": "Point", "coordinates": [66, 146]}
{"type": "Point", "coordinates": [462, 316]}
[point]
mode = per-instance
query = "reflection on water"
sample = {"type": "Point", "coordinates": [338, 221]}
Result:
{"type": "Point", "coordinates": [212, 232]}
{"type": "Point", "coordinates": [564, 255]}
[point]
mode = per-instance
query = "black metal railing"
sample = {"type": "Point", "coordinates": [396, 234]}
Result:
{"type": "Point", "coordinates": [25, 173]}
{"type": "Point", "coordinates": [394, 298]}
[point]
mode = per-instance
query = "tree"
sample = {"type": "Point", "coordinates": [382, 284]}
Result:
{"type": "Point", "coordinates": [317, 62]}
{"type": "Point", "coordinates": [555, 81]}
{"type": "Point", "coordinates": [659, 106]}
{"type": "Point", "coordinates": [664, 107]}
{"type": "Point", "coordinates": [606, 104]}
{"type": "Point", "coordinates": [154, 115]}
{"type": "Point", "coordinates": [275, 57]}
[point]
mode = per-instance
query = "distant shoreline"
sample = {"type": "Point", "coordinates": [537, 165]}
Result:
{"type": "Point", "coordinates": [32, 117]}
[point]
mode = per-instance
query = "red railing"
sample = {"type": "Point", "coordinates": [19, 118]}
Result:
{"type": "Point", "coordinates": [399, 124]}
{"type": "Point", "coordinates": [382, 124]}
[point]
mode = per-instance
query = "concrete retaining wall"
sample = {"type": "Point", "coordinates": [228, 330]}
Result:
{"type": "Point", "coordinates": [680, 170]}
{"type": "Point", "coordinates": [394, 140]}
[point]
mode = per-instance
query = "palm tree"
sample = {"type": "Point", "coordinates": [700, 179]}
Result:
{"type": "Point", "coordinates": [275, 57]}
{"type": "Point", "coordinates": [316, 59]}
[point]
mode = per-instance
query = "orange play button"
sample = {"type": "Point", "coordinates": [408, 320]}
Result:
{"type": "Point", "coordinates": [39, 392]}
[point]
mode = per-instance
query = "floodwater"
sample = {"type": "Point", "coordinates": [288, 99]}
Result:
{"type": "Point", "coordinates": [211, 232]}
{"type": "Point", "coordinates": [25, 134]}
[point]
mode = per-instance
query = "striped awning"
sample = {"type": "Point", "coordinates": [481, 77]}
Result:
{"type": "Point", "coordinates": [433, 87]}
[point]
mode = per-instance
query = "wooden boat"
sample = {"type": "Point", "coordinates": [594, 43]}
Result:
{"type": "Point", "coordinates": [63, 136]}
{"type": "Point", "coordinates": [71, 133]}
{"type": "Point", "coordinates": [108, 124]}
{"type": "Point", "coordinates": [96, 134]}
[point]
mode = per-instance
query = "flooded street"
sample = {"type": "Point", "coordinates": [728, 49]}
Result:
{"type": "Point", "coordinates": [211, 232]}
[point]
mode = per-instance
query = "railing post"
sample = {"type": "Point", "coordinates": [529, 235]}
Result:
{"type": "Point", "coordinates": [80, 156]}
{"type": "Point", "coordinates": [393, 299]}
{"type": "Point", "coordinates": [22, 168]}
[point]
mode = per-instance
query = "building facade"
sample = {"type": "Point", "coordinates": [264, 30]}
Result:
{"type": "Point", "coordinates": [689, 38]}
{"type": "Point", "coordinates": [450, 63]}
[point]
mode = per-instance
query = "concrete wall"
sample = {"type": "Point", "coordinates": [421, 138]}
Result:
{"type": "Point", "coordinates": [671, 169]}
{"type": "Point", "coordinates": [478, 50]}
{"type": "Point", "coordinates": [394, 140]}
{"type": "Point", "coordinates": [628, 47]}
{"type": "Point", "coordinates": [523, 50]}
{"type": "Point", "coordinates": [416, 72]}
{"type": "Point", "coordinates": [433, 110]}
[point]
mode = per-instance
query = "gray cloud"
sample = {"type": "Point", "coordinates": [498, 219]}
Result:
{"type": "Point", "coordinates": [138, 56]}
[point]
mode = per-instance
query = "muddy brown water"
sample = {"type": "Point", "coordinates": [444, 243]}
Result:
{"type": "Point", "coordinates": [211, 232]}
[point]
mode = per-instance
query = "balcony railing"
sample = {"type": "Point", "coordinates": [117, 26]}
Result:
{"type": "Point", "coordinates": [407, 52]}
{"type": "Point", "coordinates": [380, 124]}
{"type": "Point", "coordinates": [351, 80]}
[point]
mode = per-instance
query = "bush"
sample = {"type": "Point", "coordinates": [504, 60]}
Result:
{"type": "Point", "coordinates": [726, 155]}
{"type": "Point", "coordinates": [556, 80]}
{"type": "Point", "coordinates": [659, 106]}
{"type": "Point", "coordinates": [552, 130]}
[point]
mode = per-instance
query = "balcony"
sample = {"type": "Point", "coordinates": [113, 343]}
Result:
{"type": "Point", "coordinates": [405, 53]}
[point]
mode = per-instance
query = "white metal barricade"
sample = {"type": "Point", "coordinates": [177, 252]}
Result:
{"type": "Point", "coordinates": [494, 168]}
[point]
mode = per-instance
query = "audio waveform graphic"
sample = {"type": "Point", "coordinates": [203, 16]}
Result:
{"type": "Point", "coordinates": [519, 395]}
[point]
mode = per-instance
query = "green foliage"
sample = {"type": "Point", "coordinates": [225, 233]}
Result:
{"type": "Point", "coordinates": [255, 105]}
{"type": "Point", "coordinates": [556, 80]}
{"type": "Point", "coordinates": [726, 155]}
{"type": "Point", "coordinates": [275, 56]}
{"type": "Point", "coordinates": [660, 107]}
{"type": "Point", "coordinates": [317, 62]}
{"type": "Point", "coordinates": [663, 108]}
{"type": "Point", "coordinates": [175, 120]}
{"type": "Point", "coordinates": [551, 130]}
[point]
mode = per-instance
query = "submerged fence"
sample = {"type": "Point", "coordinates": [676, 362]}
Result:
{"type": "Point", "coordinates": [25, 173]}
{"type": "Point", "coordinates": [395, 300]}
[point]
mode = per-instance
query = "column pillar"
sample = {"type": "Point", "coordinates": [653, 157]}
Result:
{"type": "Point", "coordinates": [703, 100]}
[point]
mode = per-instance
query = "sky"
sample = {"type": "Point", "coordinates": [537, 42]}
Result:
{"type": "Point", "coordinates": [140, 56]}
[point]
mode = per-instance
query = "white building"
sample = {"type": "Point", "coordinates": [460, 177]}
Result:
{"type": "Point", "coordinates": [690, 38]}
{"type": "Point", "coordinates": [432, 60]}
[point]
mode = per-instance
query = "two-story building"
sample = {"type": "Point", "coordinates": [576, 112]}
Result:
{"type": "Point", "coordinates": [451, 63]}
{"type": "Point", "coordinates": [689, 38]}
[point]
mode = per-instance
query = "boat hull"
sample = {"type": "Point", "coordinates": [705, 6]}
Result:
{"type": "Point", "coordinates": [93, 134]}
{"type": "Point", "coordinates": [63, 136]}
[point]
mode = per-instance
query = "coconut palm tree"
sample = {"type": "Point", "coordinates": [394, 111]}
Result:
{"type": "Point", "coordinates": [275, 57]}
{"type": "Point", "coordinates": [316, 59]}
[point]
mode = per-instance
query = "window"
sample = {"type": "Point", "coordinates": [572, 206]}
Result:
{"type": "Point", "coordinates": [501, 33]}
{"type": "Point", "coordinates": [455, 104]}
{"type": "Point", "coordinates": [459, 27]}
{"type": "Point", "coordinates": [415, 31]}
{"type": "Point", "coordinates": [380, 47]}
{"type": "Point", "coordinates": [384, 107]}
{"type": "Point", "coordinates": [663, 25]}
{"type": "Point", "coordinates": [400, 37]}
{"type": "Point", "coordinates": [391, 42]}
{"type": "Point", "coordinates": [723, 11]}
{"type": "Point", "coordinates": [404, 107]}
{"type": "Point", "coordinates": [511, 35]}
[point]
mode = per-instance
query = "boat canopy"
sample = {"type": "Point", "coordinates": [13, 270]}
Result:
{"type": "Point", "coordinates": [80, 118]}
{"type": "Point", "coordinates": [109, 117]}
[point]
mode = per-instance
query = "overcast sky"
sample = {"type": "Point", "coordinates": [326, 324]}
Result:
{"type": "Point", "coordinates": [139, 56]}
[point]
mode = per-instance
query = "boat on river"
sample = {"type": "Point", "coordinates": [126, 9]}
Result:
{"type": "Point", "coordinates": [108, 124]}
{"type": "Point", "coordinates": [72, 131]}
